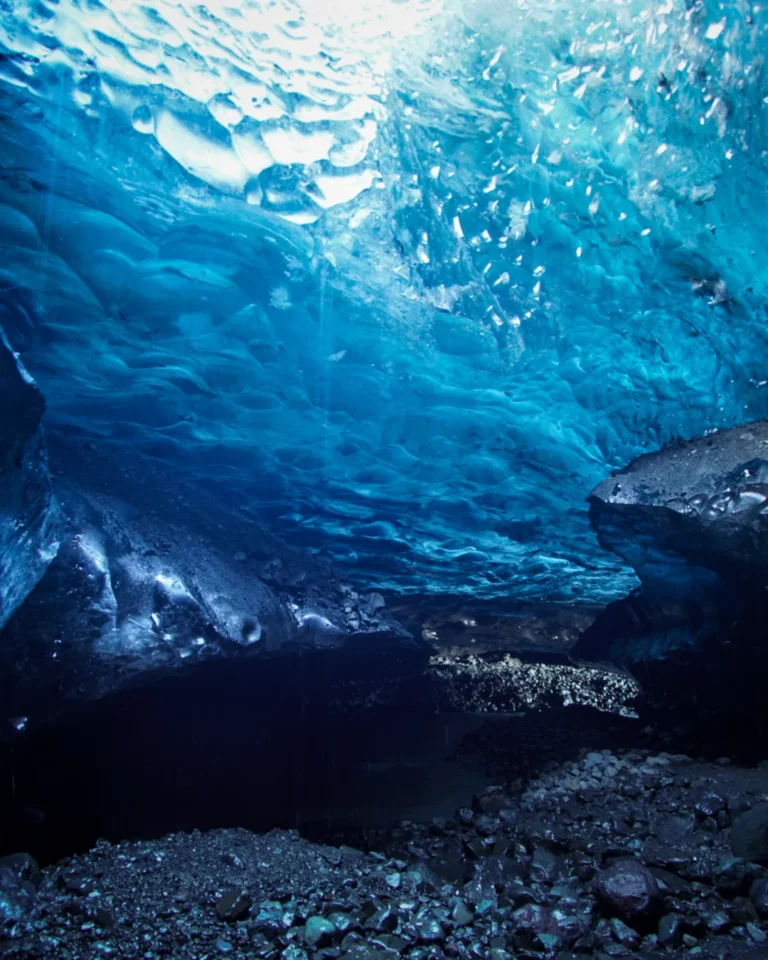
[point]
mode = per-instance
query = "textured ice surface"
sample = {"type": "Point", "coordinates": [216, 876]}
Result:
{"type": "Point", "coordinates": [404, 279]}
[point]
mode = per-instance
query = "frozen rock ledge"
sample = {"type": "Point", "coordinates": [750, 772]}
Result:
{"type": "Point", "coordinates": [154, 575]}
{"type": "Point", "coordinates": [27, 540]}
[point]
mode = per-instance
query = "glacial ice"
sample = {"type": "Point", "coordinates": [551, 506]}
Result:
{"type": "Point", "coordinates": [403, 280]}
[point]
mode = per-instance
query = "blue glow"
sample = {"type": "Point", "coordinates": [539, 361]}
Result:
{"type": "Point", "coordinates": [407, 282]}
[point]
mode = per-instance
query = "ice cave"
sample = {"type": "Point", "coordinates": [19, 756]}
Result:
{"type": "Point", "coordinates": [383, 479]}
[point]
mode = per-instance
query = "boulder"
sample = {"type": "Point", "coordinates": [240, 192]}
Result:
{"type": "Point", "coordinates": [749, 834]}
{"type": "Point", "coordinates": [628, 890]}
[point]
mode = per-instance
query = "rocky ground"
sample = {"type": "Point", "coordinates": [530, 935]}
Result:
{"type": "Point", "coordinates": [609, 854]}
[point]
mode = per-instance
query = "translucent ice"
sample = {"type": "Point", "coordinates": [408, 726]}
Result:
{"type": "Point", "coordinates": [405, 279]}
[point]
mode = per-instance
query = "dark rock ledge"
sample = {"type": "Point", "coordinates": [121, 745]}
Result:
{"type": "Point", "coordinates": [692, 521]}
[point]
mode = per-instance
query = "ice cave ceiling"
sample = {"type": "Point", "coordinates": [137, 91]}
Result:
{"type": "Point", "coordinates": [403, 280]}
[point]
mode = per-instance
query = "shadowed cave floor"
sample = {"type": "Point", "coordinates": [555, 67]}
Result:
{"type": "Point", "coordinates": [423, 838]}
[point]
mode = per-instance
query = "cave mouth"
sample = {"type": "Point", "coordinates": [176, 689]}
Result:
{"type": "Point", "coordinates": [255, 745]}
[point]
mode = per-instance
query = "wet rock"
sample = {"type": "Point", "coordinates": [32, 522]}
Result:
{"type": "Point", "coordinates": [427, 928]}
{"type": "Point", "coordinates": [714, 917]}
{"type": "Point", "coordinates": [624, 934]}
{"type": "Point", "coordinates": [486, 826]}
{"type": "Point", "coordinates": [364, 951]}
{"type": "Point", "coordinates": [749, 834]}
{"type": "Point", "coordinates": [535, 928]}
{"type": "Point", "coordinates": [461, 915]}
{"type": "Point", "coordinates": [758, 894]}
{"type": "Point", "coordinates": [17, 896]}
{"type": "Point", "coordinates": [343, 923]}
{"type": "Point", "coordinates": [494, 872]}
{"type": "Point", "coordinates": [234, 905]}
{"type": "Point", "coordinates": [76, 884]}
{"type": "Point", "coordinates": [293, 952]}
{"type": "Point", "coordinates": [544, 865]}
{"type": "Point", "coordinates": [319, 932]}
{"type": "Point", "coordinates": [382, 920]}
{"type": "Point", "coordinates": [670, 932]}
{"type": "Point", "coordinates": [628, 890]}
{"type": "Point", "coordinates": [730, 876]}
{"type": "Point", "coordinates": [24, 866]}
{"type": "Point", "coordinates": [709, 804]}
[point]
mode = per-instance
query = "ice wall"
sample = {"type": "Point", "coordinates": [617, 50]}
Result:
{"type": "Point", "coordinates": [405, 280]}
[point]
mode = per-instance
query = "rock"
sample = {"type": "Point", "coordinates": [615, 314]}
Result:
{"type": "Point", "coordinates": [293, 952]}
{"type": "Point", "coordinates": [486, 826]}
{"type": "Point", "coordinates": [670, 932]}
{"type": "Point", "coordinates": [730, 876]}
{"type": "Point", "coordinates": [343, 923]}
{"type": "Point", "coordinates": [17, 896]}
{"type": "Point", "coordinates": [758, 894]}
{"type": "Point", "coordinates": [628, 890]}
{"type": "Point", "coordinates": [709, 804]}
{"type": "Point", "coordinates": [234, 905]}
{"type": "Point", "coordinates": [28, 540]}
{"type": "Point", "coordinates": [428, 928]}
{"type": "Point", "coordinates": [749, 834]}
{"type": "Point", "coordinates": [714, 918]}
{"type": "Point", "coordinates": [624, 934]}
{"type": "Point", "coordinates": [689, 520]}
{"type": "Point", "coordinates": [461, 915]}
{"type": "Point", "coordinates": [536, 929]}
{"type": "Point", "coordinates": [270, 918]}
{"type": "Point", "coordinates": [544, 865]}
{"type": "Point", "coordinates": [382, 920]}
{"type": "Point", "coordinates": [364, 951]}
{"type": "Point", "coordinates": [24, 866]}
{"type": "Point", "coordinates": [319, 932]}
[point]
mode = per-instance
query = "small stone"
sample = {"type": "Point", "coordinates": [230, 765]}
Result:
{"type": "Point", "coordinates": [544, 865]}
{"type": "Point", "coordinates": [234, 905]}
{"type": "Point", "coordinates": [318, 932]}
{"type": "Point", "coordinates": [428, 929]}
{"type": "Point", "coordinates": [670, 932]}
{"type": "Point", "coordinates": [104, 918]}
{"type": "Point", "coordinates": [461, 915]}
{"type": "Point", "coordinates": [717, 921]}
{"type": "Point", "coordinates": [756, 934]}
{"type": "Point", "coordinates": [689, 941]}
{"type": "Point", "coordinates": [393, 880]}
{"type": "Point", "coordinates": [294, 953]}
{"type": "Point", "coordinates": [486, 826]}
{"type": "Point", "coordinates": [730, 875]}
{"type": "Point", "coordinates": [709, 804]}
{"type": "Point", "coordinates": [343, 923]}
{"type": "Point", "coordinates": [223, 946]}
{"type": "Point", "coordinates": [382, 920]}
{"type": "Point", "coordinates": [625, 935]}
